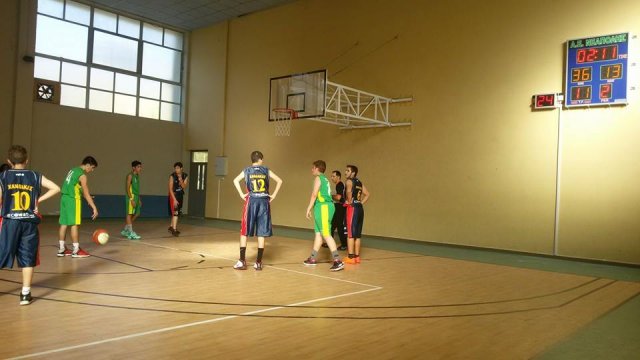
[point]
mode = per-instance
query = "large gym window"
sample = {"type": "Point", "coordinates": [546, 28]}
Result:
{"type": "Point", "coordinates": [109, 62]}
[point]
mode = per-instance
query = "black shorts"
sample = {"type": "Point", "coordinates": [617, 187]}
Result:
{"type": "Point", "coordinates": [355, 219]}
{"type": "Point", "coordinates": [20, 240]}
{"type": "Point", "coordinates": [256, 217]}
{"type": "Point", "coordinates": [176, 209]}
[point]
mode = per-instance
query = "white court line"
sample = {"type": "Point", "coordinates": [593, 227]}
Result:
{"type": "Point", "coordinates": [271, 266]}
{"type": "Point", "coordinates": [177, 327]}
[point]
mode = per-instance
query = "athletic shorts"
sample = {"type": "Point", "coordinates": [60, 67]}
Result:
{"type": "Point", "coordinates": [135, 209]}
{"type": "Point", "coordinates": [323, 215]}
{"type": "Point", "coordinates": [175, 209]}
{"type": "Point", "coordinates": [19, 240]}
{"type": "Point", "coordinates": [355, 219]}
{"type": "Point", "coordinates": [70, 210]}
{"type": "Point", "coordinates": [256, 217]}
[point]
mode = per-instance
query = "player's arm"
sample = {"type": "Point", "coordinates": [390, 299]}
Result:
{"type": "Point", "coordinates": [128, 190]}
{"type": "Point", "coordinates": [236, 182]}
{"type": "Point", "coordinates": [51, 187]}
{"type": "Point", "coordinates": [314, 195]}
{"type": "Point", "coordinates": [338, 195]}
{"type": "Point", "coordinates": [365, 195]}
{"type": "Point", "coordinates": [349, 192]}
{"type": "Point", "coordinates": [87, 195]}
{"type": "Point", "coordinates": [183, 183]}
{"type": "Point", "coordinates": [278, 184]}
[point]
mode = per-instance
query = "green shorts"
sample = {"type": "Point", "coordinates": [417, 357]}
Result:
{"type": "Point", "coordinates": [323, 214]}
{"type": "Point", "coordinates": [70, 210]}
{"type": "Point", "coordinates": [135, 209]}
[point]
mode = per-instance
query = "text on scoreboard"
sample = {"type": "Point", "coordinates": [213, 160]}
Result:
{"type": "Point", "coordinates": [597, 71]}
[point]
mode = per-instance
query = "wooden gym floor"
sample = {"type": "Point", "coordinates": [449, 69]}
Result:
{"type": "Point", "coordinates": [165, 298]}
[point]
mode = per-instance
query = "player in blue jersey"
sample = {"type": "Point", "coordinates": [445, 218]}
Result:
{"type": "Point", "coordinates": [20, 194]}
{"type": "Point", "coordinates": [256, 214]}
{"type": "Point", "coordinates": [357, 195]}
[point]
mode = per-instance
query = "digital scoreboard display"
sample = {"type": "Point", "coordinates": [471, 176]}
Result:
{"type": "Point", "coordinates": [597, 71]}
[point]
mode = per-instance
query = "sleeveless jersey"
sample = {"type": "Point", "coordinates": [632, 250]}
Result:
{"type": "Point", "coordinates": [257, 180]}
{"type": "Point", "coordinates": [356, 191]}
{"type": "Point", "coordinates": [324, 193]}
{"type": "Point", "coordinates": [71, 185]}
{"type": "Point", "coordinates": [177, 189]}
{"type": "Point", "coordinates": [135, 184]}
{"type": "Point", "coordinates": [20, 192]}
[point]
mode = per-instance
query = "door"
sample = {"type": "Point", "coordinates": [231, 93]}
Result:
{"type": "Point", "coordinates": [198, 183]}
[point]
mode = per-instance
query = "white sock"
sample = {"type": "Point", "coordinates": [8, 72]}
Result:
{"type": "Point", "coordinates": [26, 290]}
{"type": "Point", "coordinates": [76, 246]}
{"type": "Point", "coordinates": [62, 246]}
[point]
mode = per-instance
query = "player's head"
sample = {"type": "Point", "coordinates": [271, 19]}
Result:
{"type": "Point", "coordinates": [18, 155]}
{"type": "Point", "coordinates": [352, 171]}
{"type": "Point", "coordinates": [335, 176]}
{"type": "Point", "coordinates": [320, 165]}
{"type": "Point", "coordinates": [256, 156]}
{"type": "Point", "coordinates": [177, 167]}
{"type": "Point", "coordinates": [4, 167]}
{"type": "Point", "coordinates": [136, 166]}
{"type": "Point", "coordinates": [89, 163]}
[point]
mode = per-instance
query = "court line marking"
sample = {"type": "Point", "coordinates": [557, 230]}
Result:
{"type": "Point", "coordinates": [271, 266]}
{"type": "Point", "coordinates": [178, 327]}
{"type": "Point", "coordinates": [183, 326]}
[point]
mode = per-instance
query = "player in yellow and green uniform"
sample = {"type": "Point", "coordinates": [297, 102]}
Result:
{"type": "Point", "coordinates": [133, 202]}
{"type": "Point", "coordinates": [75, 184]}
{"type": "Point", "coordinates": [323, 210]}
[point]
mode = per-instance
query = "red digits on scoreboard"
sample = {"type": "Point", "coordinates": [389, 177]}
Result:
{"type": "Point", "coordinates": [597, 54]}
{"type": "Point", "coordinates": [605, 91]}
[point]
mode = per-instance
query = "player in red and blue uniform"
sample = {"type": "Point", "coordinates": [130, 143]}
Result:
{"type": "Point", "coordinates": [256, 214]}
{"type": "Point", "coordinates": [357, 195]}
{"type": "Point", "coordinates": [20, 193]}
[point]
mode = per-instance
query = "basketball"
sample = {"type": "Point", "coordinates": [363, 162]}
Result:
{"type": "Point", "coordinates": [100, 236]}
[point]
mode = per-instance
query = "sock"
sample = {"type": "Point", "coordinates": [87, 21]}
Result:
{"type": "Point", "coordinates": [314, 254]}
{"type": "Point", "coordinates": [129, 227]}
{"type": "Point", "coordinates": [243, 250]}
{"type": "Point", "coordinates": [76, 246]}
{"type": "Point", "coordinates": [260, 252]}
{"type": "Point", "coordinates": [62, 245]}
{"type": "Point", "coordinates": [335, 254]}
{"type": "Point", "coordinates": [351, 256]}
{"type": "Point", "coordinates": [26, 290]}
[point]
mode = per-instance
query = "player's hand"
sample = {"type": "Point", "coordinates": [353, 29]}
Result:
{"type": "Point", "coordinates": [95, 214]}
{"type": "Point", "coordinates": [244, 196]}
{"type": "Point", "coordinates": [308, 214]}
{"type": "Point", "coordinates": [271, 198]}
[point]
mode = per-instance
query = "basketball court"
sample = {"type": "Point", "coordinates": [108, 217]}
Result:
{"type": "Point", "coordinates": [167, 297]}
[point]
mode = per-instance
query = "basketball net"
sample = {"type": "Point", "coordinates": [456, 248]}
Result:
{"type": "Point", "coordinates": [283, 119]}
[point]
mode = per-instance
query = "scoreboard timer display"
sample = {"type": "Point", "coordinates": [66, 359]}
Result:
{"type": "Point", "coordinates": [597, 71]}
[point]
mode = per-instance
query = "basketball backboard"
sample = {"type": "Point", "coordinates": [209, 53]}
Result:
{"type": "Point", "coordinates": [303, 93]}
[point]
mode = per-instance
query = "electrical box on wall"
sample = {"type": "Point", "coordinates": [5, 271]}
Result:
{"type": "Point", "coordinates": [221, 166]}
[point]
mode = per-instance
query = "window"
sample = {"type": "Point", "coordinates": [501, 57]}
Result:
{"type": "Point", "coordinates": [109, 62]}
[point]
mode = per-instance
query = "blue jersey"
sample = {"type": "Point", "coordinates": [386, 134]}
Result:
{"type": "Point", "coordinates": [257, 179]}
{"type": "Point", "coordinates": [20, 192]}
{"type": "Point", "coordinates": [356, 191]}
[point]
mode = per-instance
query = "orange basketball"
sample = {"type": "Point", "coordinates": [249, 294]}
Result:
{"type": "Point", "coordinates": [100, 236]}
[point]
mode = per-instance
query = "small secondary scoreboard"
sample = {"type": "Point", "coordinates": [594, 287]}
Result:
{"type": "Point", "coordinates": [597, 71]}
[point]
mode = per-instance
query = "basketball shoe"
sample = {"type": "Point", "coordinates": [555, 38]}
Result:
{"type": "Point", "coordinates": [337, 265]}
{"type": "Point", "coordinates": [348, 260]}
{"type": "Point", "coordinates": [240, 265]}
{"type": "Point", "coordinates": [258, 266]}
{"type": "Point", "coordinates": [65, 252]}
{"type": "Point", "coordinates": [25, 299]}
{"type": "Point", "coordinates": [80, 254]}
{"type": "Point", "coordinates": [310, 262]}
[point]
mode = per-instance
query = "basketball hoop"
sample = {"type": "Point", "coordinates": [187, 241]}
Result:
{"type": "Point", "coordinates": [283, 119]}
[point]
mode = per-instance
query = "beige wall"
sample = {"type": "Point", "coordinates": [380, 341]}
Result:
{"type": "Point", "coordinates": [477, 167]}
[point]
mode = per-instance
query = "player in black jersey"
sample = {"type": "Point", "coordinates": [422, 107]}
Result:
{"type": "Point", "coordinates": [178, 182]}
{"type": "Point", "coordinates": [256, 214]}
{"type": "Point", "coordinates": [20, 194]}
{"type": "Point", "coordinates": [339, 199]}
{"type": "Point", "coordinates": [357, 195]}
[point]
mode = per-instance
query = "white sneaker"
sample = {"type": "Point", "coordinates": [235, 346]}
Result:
{"type": "Point", "coordinates": [240, 265]}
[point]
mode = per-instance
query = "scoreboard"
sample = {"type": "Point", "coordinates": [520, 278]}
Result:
{"type": "Point", "coordinates": [597, 71]}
